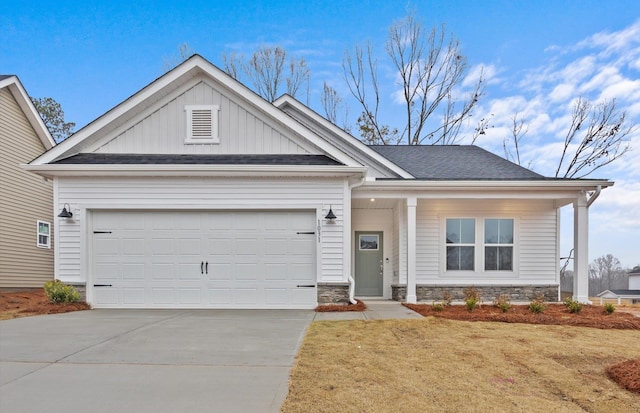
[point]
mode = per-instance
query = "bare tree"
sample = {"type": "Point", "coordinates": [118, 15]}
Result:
{"type": "Point", "coordinates": [184, 52]}
{"type": "Point", "coordinates": [603, 141]}
{"type": "Point", "coordinates": [232, 64]}
{"type": "Point", "coordinates": [332, 103]}
{"type": "Point", "coordinates": [511, 145]}
{"type": "Point", "coordinates": [606, 273]}
{"type": "Point", "coordinates": [431, 70]}
{"type": "Point", "coordinates": [269, 71]}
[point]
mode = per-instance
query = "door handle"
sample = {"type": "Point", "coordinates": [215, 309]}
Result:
{"type": "Point", "coordinates": [381, 268]}
{"type": "Point", "coordinates": [201, 267]}
{"type": "Point", "coordinates": [206, 267]}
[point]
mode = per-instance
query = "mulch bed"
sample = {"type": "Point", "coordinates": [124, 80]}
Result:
{"type": "Point", "coordinates": [554, 314]}
{"type": "Point", "coordinates": [331, 308]}
{"type": "Point", "coordinates": [626, 374]}
{"type": "Point", "coordinates": [23, 303]}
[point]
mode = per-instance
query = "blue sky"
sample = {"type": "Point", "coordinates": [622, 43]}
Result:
{"type": "Point", "coordinates": [538, 57]}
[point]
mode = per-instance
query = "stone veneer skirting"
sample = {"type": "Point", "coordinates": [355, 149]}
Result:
{"type": "Point", "coordinates": [81, 289]}
{"type": "Point", "coordinates": [487, 292]}
{"type": "Point", "coordinates": [333, 293]}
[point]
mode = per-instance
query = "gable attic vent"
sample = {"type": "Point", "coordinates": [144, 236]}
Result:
{"type": "Point", "coordinates": [202, 124]}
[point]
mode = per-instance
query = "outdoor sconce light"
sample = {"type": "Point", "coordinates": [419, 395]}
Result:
{"type": "Point", "coordinates": [66, 213]}
{"type": "Point", "coordinates": [330, 215]}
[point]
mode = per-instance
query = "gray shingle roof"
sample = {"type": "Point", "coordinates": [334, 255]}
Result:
{"type": "Point", "coordinates": [626, 292]}
{"type": "Point", "coordinates": [3, 77]}
{"type": "Point", "coordinates": [453, 162]}
{"type": "Point", "coordinates": [156, 159]}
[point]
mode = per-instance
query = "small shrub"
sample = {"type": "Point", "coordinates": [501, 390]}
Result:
{"type": "Point", "coordinates": [471, 298]}
{"type": "Point", "coordinates": [503, 302]}
{"type": "Point", "coordinates": [609, 308]}
{"type": "Point", "coordinates": [447, 298]}
{"type": "Point", "coordinates": [471, 303]}
{"type": "Point", "coordinates": [573, 305]}
{"type": "Point", "coordinates": [437, 307]}
{"type": "Point", "coordinates": [537, 305]}
{"type": "Point", "coordinates": [59, 292]}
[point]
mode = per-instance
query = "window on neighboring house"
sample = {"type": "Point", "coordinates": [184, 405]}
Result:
{"type": "Point", "coordinates": [461, 239]}
{"type": "Point", "coordinates": [202, 124]}
{"type": "Point", "coordinates": [44, 235]}
{"type": "Point", "coordinates": [498, 244]}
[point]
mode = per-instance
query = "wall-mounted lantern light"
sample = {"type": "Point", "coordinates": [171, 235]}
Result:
{"type": "Point", "coordinates": [330, 215]}
{"type": "Point", "coordinates": [66, 212]}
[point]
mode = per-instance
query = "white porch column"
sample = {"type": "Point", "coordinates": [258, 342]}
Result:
{"type": "Point", "coordinates": [581, 249]}
{"type": "Point", "coordinates": [412, 203]}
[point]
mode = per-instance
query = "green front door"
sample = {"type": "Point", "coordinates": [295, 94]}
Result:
{"type": "Point", "coordinates": [368, 257]}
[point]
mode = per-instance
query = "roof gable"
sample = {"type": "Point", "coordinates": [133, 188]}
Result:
{"type": "Point", "coordinates": [194, 73]}
{"type": "Point", "coordinates": [13, 84]}
{"type": "Point", "coordinates": [338, 137]}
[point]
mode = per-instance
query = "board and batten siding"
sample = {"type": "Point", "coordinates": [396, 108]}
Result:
{"type": "Point", "coordinates": [197, 193]}
{"type": "Point", "coordinates": [25, 198]}
{"type": "Point", "coordinates": [535, 243]}
{"type": "Point", "coordinates": [241, 131]}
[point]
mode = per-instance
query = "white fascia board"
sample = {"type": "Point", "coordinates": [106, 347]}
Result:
{"type": "Point", "coordinates": [563, 191]}
{"type": "Point", "coordinates": [295, 104]}
{"type": "Point", "coordinates": [22, 98]}
{"type": "Point", "coordinates": [194, 64]}
{"type": "Point", "coordinates": [540, 185]}
{"type": "Point", "coordinates": [194, 170]}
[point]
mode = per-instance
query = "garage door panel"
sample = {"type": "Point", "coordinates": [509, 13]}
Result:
{"type": "Point", "coordinates": [166, 296]}
{"type": "Point", "coordinates": [162, 271]}
{"type": "Point", "coordinates": [105, 296]}
{"type": "Point", "coordinates": [275, 296]}
{"type": "Point", "coordinates": [190, 296]}
{"type": "Point", "coordinates": [162, 246]}
{"type": "Point", "coordinates": [219, 271]}
{"type": "Point", "coordinates": [133, 271]}
{"type": "Point", "coordinates": [275, 272]}
{"type": "Point", "coordinates": [255, 259]}
{"type": "Point", "coordinates": [106, 247]}
{"type": "Point", "coordinates": [246, 296]}
{"type": "Point", "coordinates": [131, 295]}
{"type": "Point", "coordinates": [189, 246]}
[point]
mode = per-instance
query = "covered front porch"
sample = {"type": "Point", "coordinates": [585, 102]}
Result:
{"type": "Point", "coordinates": [413, 245]}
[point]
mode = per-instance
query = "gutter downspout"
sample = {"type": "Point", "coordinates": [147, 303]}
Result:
{"type": "Point", "coordinates": [595, 196]}
{"type": "Point", "coordinates": [352, 282]}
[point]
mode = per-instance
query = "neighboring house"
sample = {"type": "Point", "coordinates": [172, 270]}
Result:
{"type": "Point", "coordinates": [26, 244]}
{"type": "Point", "coordinates": [197, 193]}
{"type": "Point", "coordinates": [632, 294]}
{"type": "Point", "coordinates": [634, 278]}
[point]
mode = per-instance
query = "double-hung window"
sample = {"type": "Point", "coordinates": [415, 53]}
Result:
{"type": "Point", "coordinates": [44, 235]}
{"type": "Point", "coordinates": [498, 244]}
{"type": "Point", "coordinates": [461, 239]}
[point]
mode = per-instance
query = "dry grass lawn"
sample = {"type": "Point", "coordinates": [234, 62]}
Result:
{"type": "Point", "coordinates": [439, 365]}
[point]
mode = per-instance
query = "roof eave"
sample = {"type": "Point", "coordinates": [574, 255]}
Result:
{"type": "Point", "coordinates": [53, 170]}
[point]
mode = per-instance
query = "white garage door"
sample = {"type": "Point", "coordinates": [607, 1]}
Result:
{"type": "Point", "coordinates": [229, 259]}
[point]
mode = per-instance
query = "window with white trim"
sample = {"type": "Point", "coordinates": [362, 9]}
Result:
{"type": "Point", "coordinates": [498, 244]}
{"type": "Point", "coordinates": [461, 240]}
{"type": "Point", "coordinates": [44, 234]}
{"type": "Point", "coordinates": [202, 124]}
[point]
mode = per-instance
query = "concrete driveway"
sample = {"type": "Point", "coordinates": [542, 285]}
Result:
{"type": "Point", "coordinates": [149, 360]}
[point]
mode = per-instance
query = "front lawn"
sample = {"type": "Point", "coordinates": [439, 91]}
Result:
{"type": "Point", "coordinates": [440, 365]}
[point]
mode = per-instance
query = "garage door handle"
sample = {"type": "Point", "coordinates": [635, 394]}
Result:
{"type": "Point", "coordinates": [201, 267]}
{"type": "Point", "coordinates": [305, 285]}
{"type": "Point", "coordinates": [206, 267]}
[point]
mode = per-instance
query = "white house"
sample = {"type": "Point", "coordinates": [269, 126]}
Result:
{"type": "Point", "coordinates": [197, 193]}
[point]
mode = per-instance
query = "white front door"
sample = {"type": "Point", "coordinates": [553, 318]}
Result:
{"type": "Point", "coordinates": [225, 259]}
